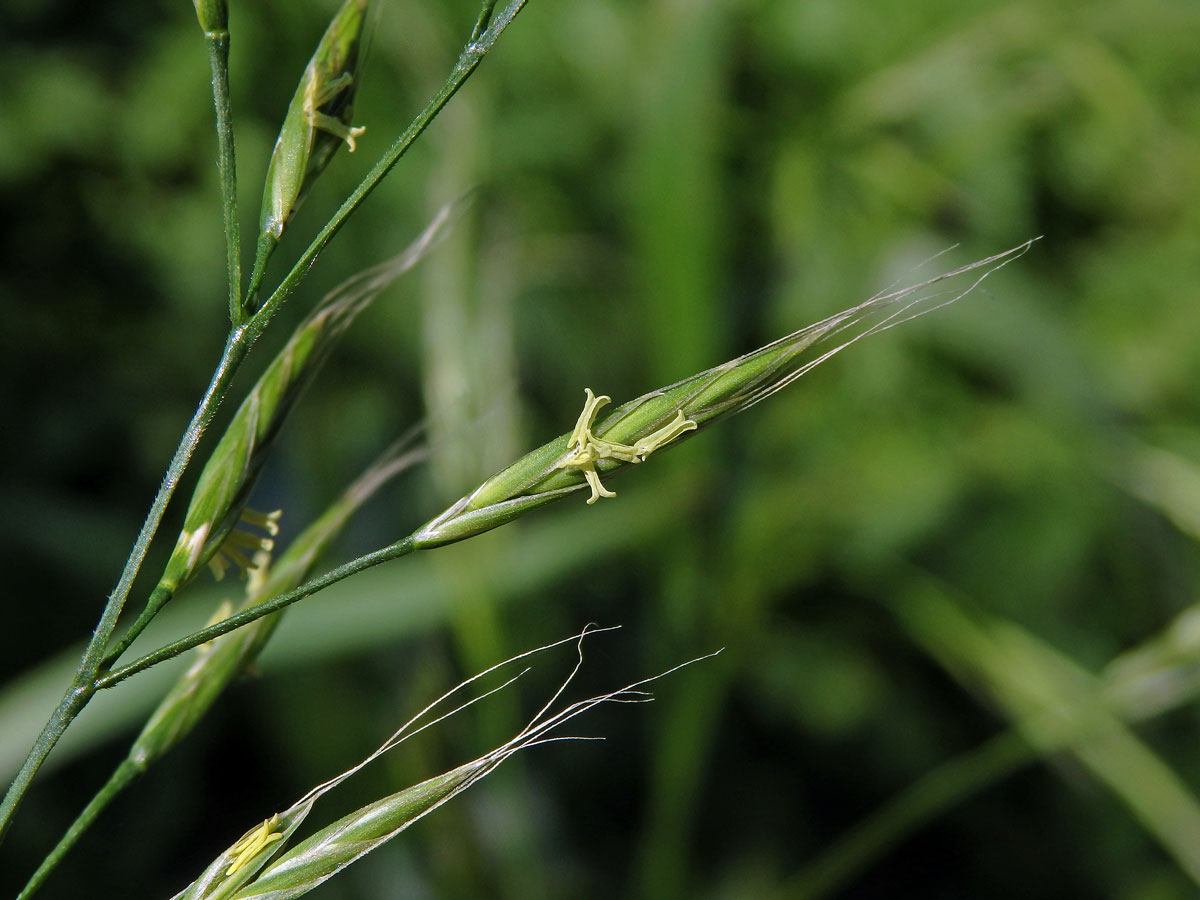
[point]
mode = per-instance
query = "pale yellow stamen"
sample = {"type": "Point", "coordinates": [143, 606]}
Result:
{"type": "Point", "coordinates": [241, 538]}
{"type": "Point", "coordinates": [268, 522]}
{"type": "Point", "coordinates": [315, 97]}
{"type": "Point", "coordinates": [253, 843]}
{"type": "Point", "coordinates": [586, 448]}
{"type": "Point", "coordinates": [236, 544]}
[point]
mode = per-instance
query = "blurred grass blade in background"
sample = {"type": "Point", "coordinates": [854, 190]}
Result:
{"type": "Point", "coordinates": [1157, 676]}
{"type": "Point", "coordinates": [1053, 702]}
{"type": "Point", "coordinates": [1166, 480]}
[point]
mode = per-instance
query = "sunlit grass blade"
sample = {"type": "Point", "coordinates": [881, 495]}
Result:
{"type": "Point", "coordinates": [1157, 676]}
{"type": "Point", "coordinates": [1167, 481]}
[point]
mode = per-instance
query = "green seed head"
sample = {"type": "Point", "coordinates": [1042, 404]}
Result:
{"type": "Point", "coordinates": [670, 415]}
{"type": "Point", "coordinates": [318, 120]}
{"type": "Point", "coordinates": [299, 869]}
{"type": "Point", "coordinates": [262, 865]}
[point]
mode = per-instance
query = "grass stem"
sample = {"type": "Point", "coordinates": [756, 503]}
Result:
{"type": "Point", "coordinates": [167, 651]}
{"type": "Point", "coordinates": [81, 688]}
{"type": "Point", "coordinates": [218, 58]}
{"type": "Point", "coordinates": [246, 330]}
{"type": "Point", "coordinates": [120, 778]}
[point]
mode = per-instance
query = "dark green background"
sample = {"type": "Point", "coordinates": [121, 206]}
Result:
{"type": "Point", "coordinates": [662, 185]}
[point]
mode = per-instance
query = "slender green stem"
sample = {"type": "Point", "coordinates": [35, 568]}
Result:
{"type": "Point", "coordinates": [126, 772]}
{"type": "Point", "coordinates": [483, 19]}
{"type": "Point", "coordinates": [265, 247]}
{"type": "Point", "coordinates": [468, 61]}
{"type": "Point", "coordinates": [82, 687]}
{"type": "Point", "coordinates": [159, 597]}
{"type": "Point", "coordinates": [246, 616]}
{"type": "Point", "coordinates": [218, 58]}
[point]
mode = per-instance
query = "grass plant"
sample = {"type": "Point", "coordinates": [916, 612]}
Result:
{"type": "Point", "coordinates": [710, 539]}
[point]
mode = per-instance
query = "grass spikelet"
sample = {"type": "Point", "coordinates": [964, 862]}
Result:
{"type": "Point", "coordinates": [317, 123]}
{"type": "Point", "coordinates": [232, 469]}
{"type": "Point", "coordinates": [633, 430]}
{"type": "Point", "coordinates": [264, 869]}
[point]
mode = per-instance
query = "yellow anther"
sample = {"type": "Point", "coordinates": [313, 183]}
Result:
{"type": "Point", "coordinates": [252, 843]}
{"type": "Point", "coordinates": [315, 97]}
{"type": "Point", "coordinates": [245, 549]}
{"type": "Point", "coordinates": [268, 522]}
{"type": "Point", "coordinates": [586, 448]}
{"type": "Point", "coordinates": [664, 435]}
{"type": "Point", "coordinates": [582, 434]}
{"type": "Point", "coordinates": [598, 489]}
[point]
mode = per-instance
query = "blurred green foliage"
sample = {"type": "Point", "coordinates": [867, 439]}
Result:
{"type": "Point", "coordinates": [663, 185]}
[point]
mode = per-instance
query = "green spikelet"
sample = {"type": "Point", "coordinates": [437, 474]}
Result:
{"type": "Point", "coordinates": [317, 123]}
{"type": "Point", "coordinates": [670, 415]}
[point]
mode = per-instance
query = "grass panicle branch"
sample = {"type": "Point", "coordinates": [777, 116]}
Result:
{"type": "Point", "coordinates": [254, 613]}
{"type": "Point", "coordinates": [219, 500]}
{"type": "Point", "coordinates": [242, 337]}
{"type": "Point", "coordinates": [213, 15]}
{"type": "Point", "coordinates": [213, 18]}
{"type": "Point", "coordinates": [483, 20]}
{"type": "Point", "coordinates": [468, 61]}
